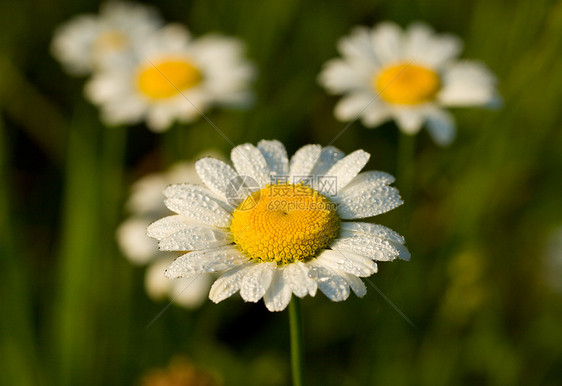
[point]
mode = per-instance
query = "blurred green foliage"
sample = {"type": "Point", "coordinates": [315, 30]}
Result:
{"type": "Point", "coordinates": [73, 311]}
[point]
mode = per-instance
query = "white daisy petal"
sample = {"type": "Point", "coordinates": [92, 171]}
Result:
{"type": "Point", "coordinates": [356, 285]}
{"type": "Point", "coordinates": [362, 230]}
{"type": "Point", "coordinates": [279, 293]}
{"type": "Point", "coordinates": [197, 203]}
{"type": "Point", "coordinates": [346, 169]}
{"type": "Point", "coordinates": [383, 244]}
{"type": "Point", "coordinates": [350, 107]}
{"type": "Point", "coordinates": [377, 113]}
{"type": "Point", "coordinates": [147, 194]}
{"type": "Point", "coordinates": [276, 156]}
{"type": "Point", "coordinates": [215, 174]}
{"type": "Point", "coordinates": [332, 284]}
{"type": "Point", "coordinates": [409, 120]}
{"type": "Point", "coordinates": [155, 282]}
{"type": "Point", "coordinates": [375, 230]}
{"type": "Point", "coordinates": [167, 226]}
{"type": "Point", "coordinates": [366, 201]}
{"type": "Point", "coordinates": [191, 292]}
{"type": "Point", "coordinates": [159, 118]}
{"type": "Point", "coordinates": [296, 276]}
{"type": "Point", "coordinates": [369, 246]}
{"type": "Point", "coordinates": [229, 283]}
{"type": "Point", "coordinates": [358, 45]}
{"type": "Point", "coordinates": [256, 281]}
{"type": "Point", "coordinates": [210, 260]}
{"type": "Point", "coordinates": [441, 126]}
{"type": "Point", "coordinates": [424, 46]}
{"type": "Point", "coordinates": [467, 83]}
{"type": "Point", "coordinates": [372, 177]}
{"type": "Point", "coordinates": [340, 76]}
{"type": "Point", "coordinates": [348, 261]}
{"type": "Point", "coordinates": [249, 161]}
{"type": "Point", "coordinates": [132, 239]}
{"type": "Point", "coordinates": [303, 161]}
{"type": "Point", "coordinates": [72, 42]}
{"type": "Point", "coordinates": [328, 158]}
{"type": "Point", "coordinates": [386, 42]}
{"type": "Point", "coordinates": [126, 111]}
{"type": "Point", "coordinates": [195, 237]}
{"type": "Point", "coordinates": [367, 195]}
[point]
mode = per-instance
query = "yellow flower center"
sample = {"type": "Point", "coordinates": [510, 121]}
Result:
{"type": "Point", "coordinates": [286, 223]}
{"type": "Point", "coordinates": [111, 41]}
{"type": "Point", "coordinates": [406, 84]}
{"type": "Point", "coordinates": [167, 78]}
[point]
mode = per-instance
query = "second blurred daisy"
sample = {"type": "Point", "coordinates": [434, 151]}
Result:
{"type": "Point", "coordinates": [173, 78]}
{"type": "Point", "coordinates": [90, 42]}
{"type": "Point", "coordinates": [409, 76]}
{"type": "Point", "coordinates": [145, 205]}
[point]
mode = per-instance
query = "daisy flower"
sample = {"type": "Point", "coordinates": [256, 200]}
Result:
{"type": "Point", "coordinates": [145, 205]}
{"type": "Point", "coordinates": [173, 77]}
{"type": "Point", "coordinates": [290, 234]}
{"type": "Point", "coordinates": [90, 42]}
{"type": "Point", "coordinates": [409, 76]}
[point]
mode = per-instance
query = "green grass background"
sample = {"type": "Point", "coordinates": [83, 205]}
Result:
{"type": "Point", "coordinates": [478, 220]}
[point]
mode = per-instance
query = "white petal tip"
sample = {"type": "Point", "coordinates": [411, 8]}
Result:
{"type": "Point", "coordinates": [405, 256]}
{"type": "Point", "coordinates": [274, 309]}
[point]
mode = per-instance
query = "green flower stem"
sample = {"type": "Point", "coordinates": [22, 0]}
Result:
{"type": "Point", "coordinates": [112, 162]}
{"type": "Point", "coordinates": [175, 144]}
{"type": "Point", "coordinates": [111, 267]}
{"type": "Point", "coordinates": [88, 256]}
{"type": "Point", "coordinates": [74, 312]}
{"type": "Point", "coordinates": [405, 164]}
{"type": "Point", "coordinates": [297, 349]}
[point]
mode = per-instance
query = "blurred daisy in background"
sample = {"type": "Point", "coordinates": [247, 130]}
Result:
{"type": "Point", "coordinates": [173, 78]}
{"type": "Point", "coordinates": [145, 206]}
{"type": "Point", "coordinates": [287, 236]}
{"type": "Point", "coordinates": [90, 42]}
{"type": "Point", "coordinates": [409, 76]}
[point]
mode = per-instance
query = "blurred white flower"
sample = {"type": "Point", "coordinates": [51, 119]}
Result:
{"type": "Point", "coordinates": [188, 292]}
{"type": "Point", "coordinates": [409, 76]}
{"type": "Point", "coordinates": [174, 77]}
{"type": "Point", "coordinates": [145, 205]}
{"type": "Point", "coordinates": [282, 237]}
{"type": "Point", "coordinates": [90, 42]}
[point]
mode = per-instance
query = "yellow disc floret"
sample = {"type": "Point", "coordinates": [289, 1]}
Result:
{"type": "Point", "coordinates": [167, 78]}
{"type": "Point", "coordinates": [285, 223]}
{"type": "Point", "coordinates": [406, 84]}
{"type": "Point", "coordinates": [111, 41]}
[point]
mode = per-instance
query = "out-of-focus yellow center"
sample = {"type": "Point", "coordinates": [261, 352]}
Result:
{"type": "Point", "coordinates": [285, 223]}
{"type": "Point", "coordinates": [406, 84]}
{"type": "Point", "coordinates": [111, 41]}
{"type": "Point", "coordinates": [167, 78]}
